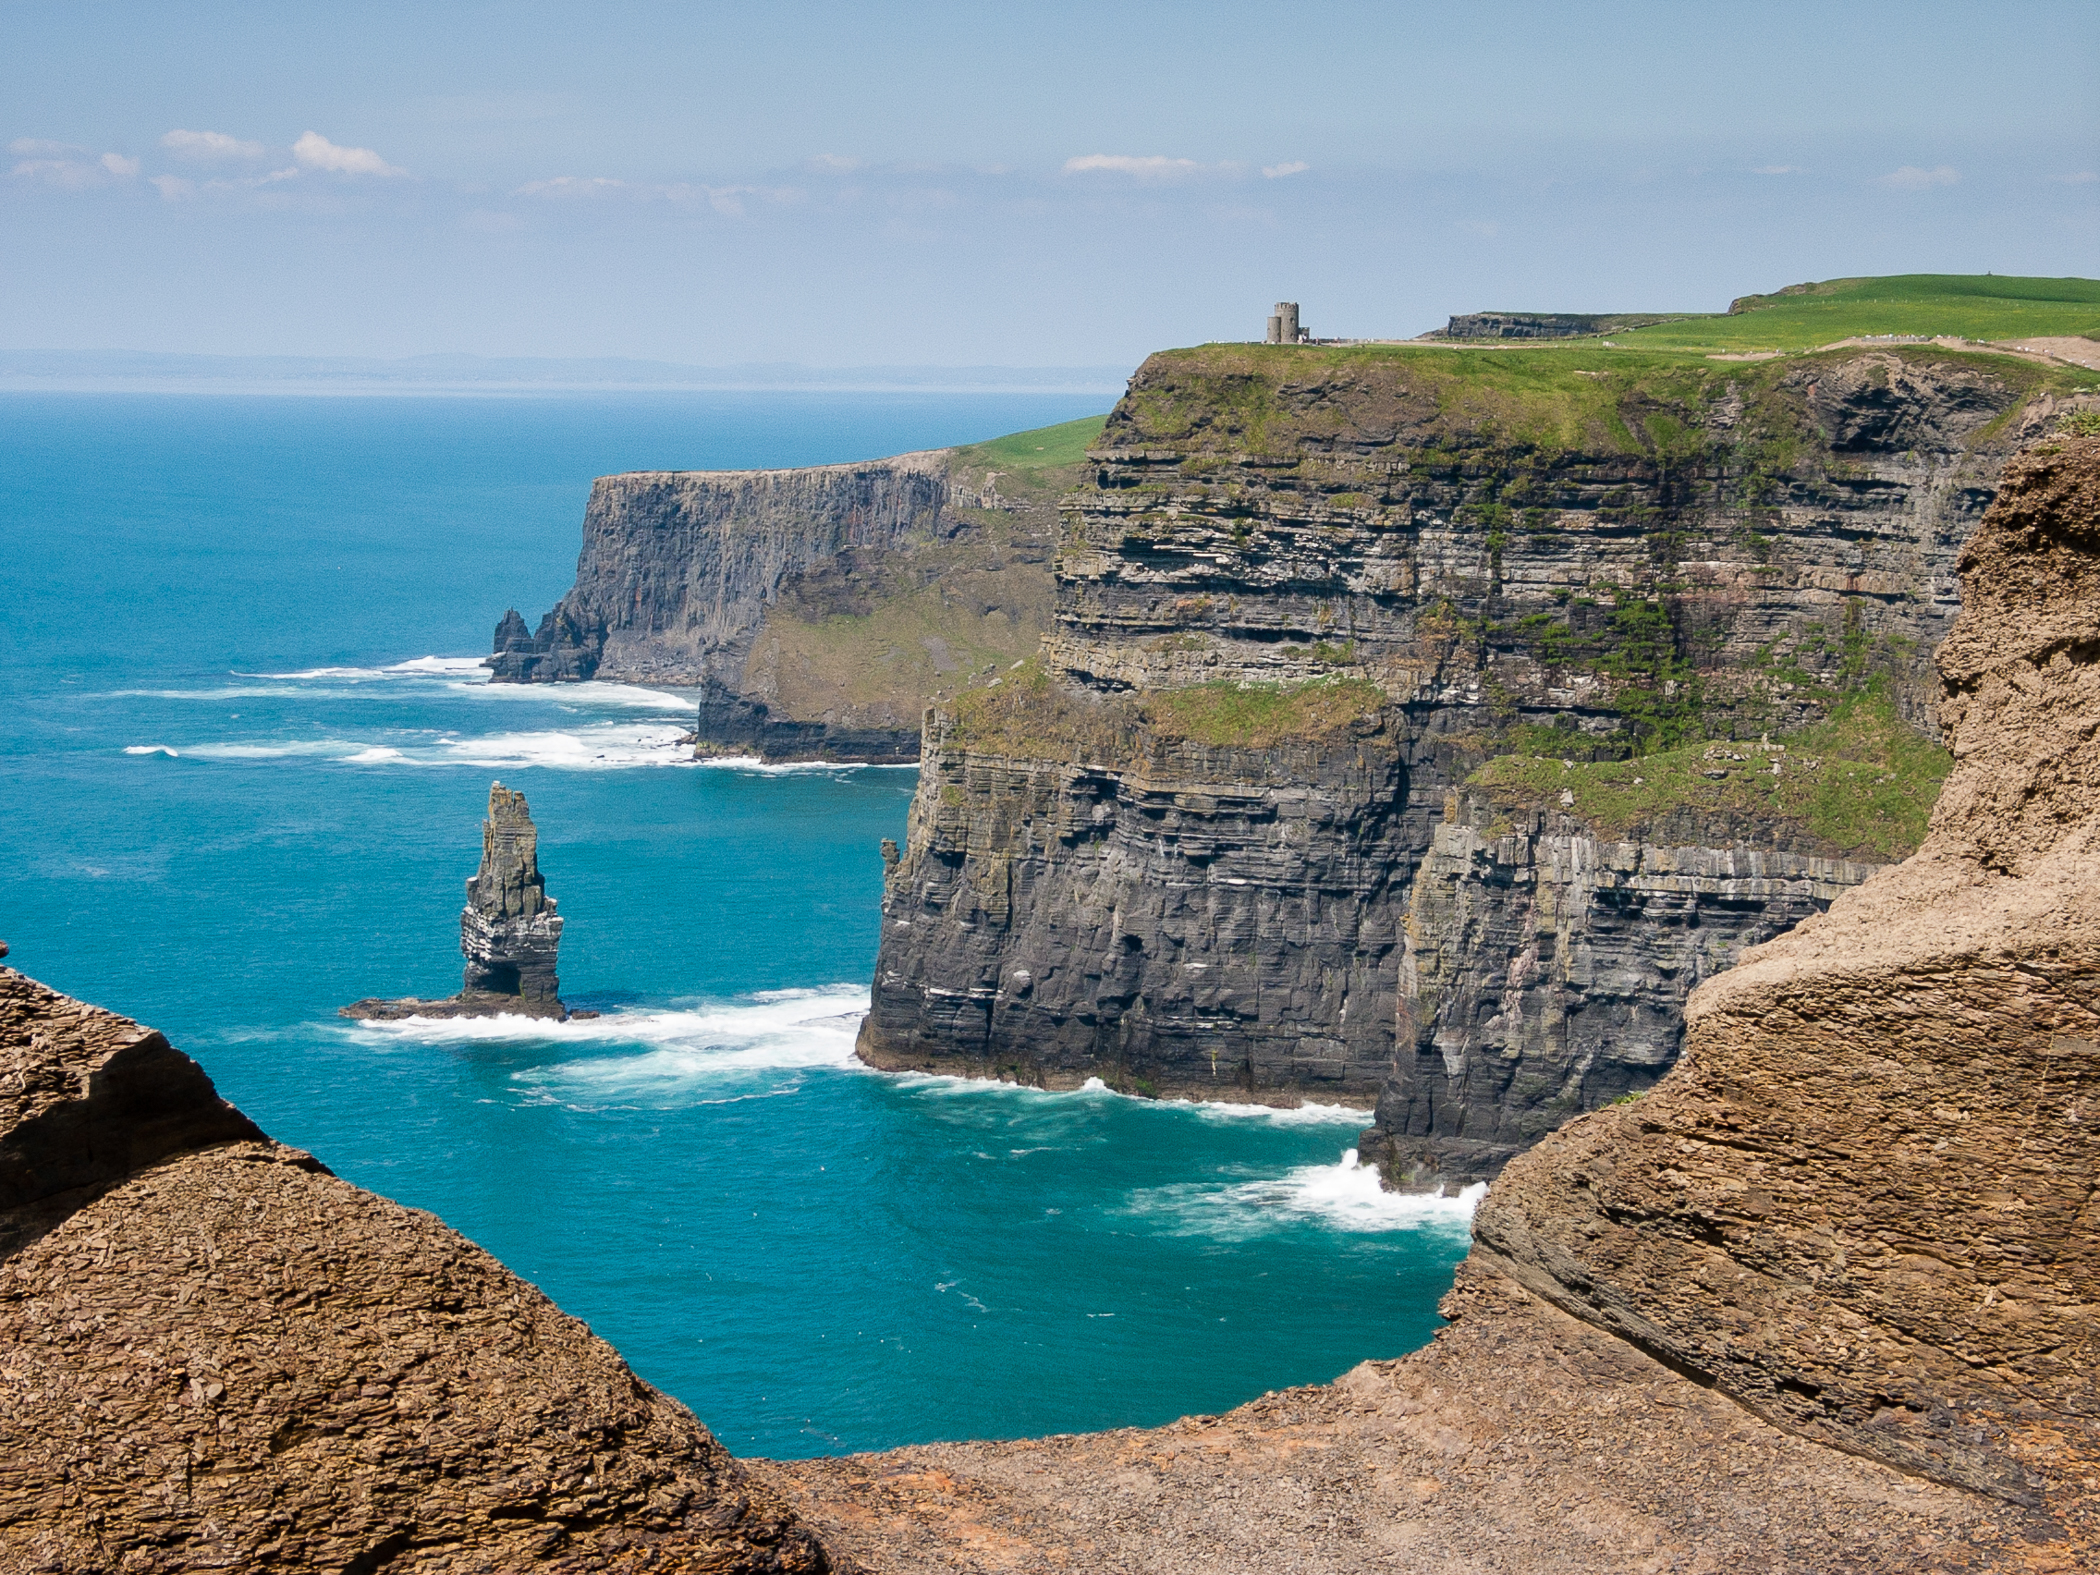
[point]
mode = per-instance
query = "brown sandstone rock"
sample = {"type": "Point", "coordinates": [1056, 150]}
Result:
{"type": "Point", "coordinates": [1865, 1204]}
{"type": "Point", "coordinates": [214, 1354]}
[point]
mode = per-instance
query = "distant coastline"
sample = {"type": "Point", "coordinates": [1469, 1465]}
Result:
{"type": "Point", "coordinates": [145, 372]}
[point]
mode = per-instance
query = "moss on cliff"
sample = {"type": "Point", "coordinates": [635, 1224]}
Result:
{"type": "Point", "coordinates": [1026, 714]}
{"type": "Point", "coordinates": [1259, 716]}
{"type": "Point", "coordinates": [1860, 785]}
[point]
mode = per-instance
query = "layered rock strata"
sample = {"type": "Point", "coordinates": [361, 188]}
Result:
{"type": "Point", "coordinates": [1209, 922]}
{"type": "Point", "coordinates": [1304, 596]}
{"type": "Point", "coordinates": [815, 610]}
{"type": "Point", "coordinates": [677, 566]}
{"type": "Point", "coordinates": [1822, 1300]}
{"type": "Point", "coordinates": [217, 1355]}
{"type": "Point", "coordinates": [1547, 974]}
{"type": "Point", "coordinates": [508, 930]}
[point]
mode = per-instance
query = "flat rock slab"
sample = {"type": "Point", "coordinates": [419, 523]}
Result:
{"type": "Point", "coordinates": [375, 1010]}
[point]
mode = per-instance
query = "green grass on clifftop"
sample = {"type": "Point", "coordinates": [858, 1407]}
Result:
{"type": "Point", "coordinates": [1045, 447]}
{"type": "Point", "coordinates": [1861, 784]}
{"type": "Point", "coordinates": [1963, 306]}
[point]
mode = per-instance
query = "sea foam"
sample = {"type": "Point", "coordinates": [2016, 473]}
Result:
{"type": "Point", "coordinates": [752, 1047]}
{"type": "Point", "coordinates": [1344, 1196]}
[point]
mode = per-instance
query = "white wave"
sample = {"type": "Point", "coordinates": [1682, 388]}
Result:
{"type": "Point", "coordinates": [572, 696]}
{"type": "Point", "coordinates": [1345, 1196]}
{"type": "Point", "coordinates": [602, 746]}
{"type": "Point", "coordinates": [421, 666]}
{"type": "Point", "coordinates": [238, 692]}
{"type": "Point", "coordinates": [441, 664]}
{"type": "Point", "coordinates": [325, 748]}
{"type": "Point", "coordinates": [701, 1055]}
{"type": "Point", "coordinates": [356, 674]}
{"type": "Point", "coordinates": [1305, 1115]}
{"type": "Point", "coordinates": [605, 746]}
{"type": "Point", "coordinates": [784, 768]}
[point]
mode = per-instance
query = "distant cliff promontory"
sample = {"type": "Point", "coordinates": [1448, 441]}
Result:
{"type": "Point", "coordinates": [816, 611]}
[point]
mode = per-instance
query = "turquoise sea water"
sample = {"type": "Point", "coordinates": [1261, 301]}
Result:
{"type": "Point", "coordinates": [247, 755]}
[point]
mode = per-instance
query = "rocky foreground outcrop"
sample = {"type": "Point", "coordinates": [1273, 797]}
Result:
{"type": "Point", "coordinates": [1827, 1298]}
{"type": "Point", "coordinates": [214, 1354]}
{"type": "Point", "coordinates": [1228, 839]}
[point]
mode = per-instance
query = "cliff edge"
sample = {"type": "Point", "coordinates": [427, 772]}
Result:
{"type": "Point", "coordinates": [1822, 1300]}
{"type": "Point", "coordinates": [1420, 726]}
{"type": "Point", "coordinates": [216, 1354]}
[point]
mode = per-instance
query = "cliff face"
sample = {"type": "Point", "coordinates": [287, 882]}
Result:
{"type": "Point", "coordinates": [1306, 597]}
{"type": "Point", "coordinates": [816, 611]}
{"type": "Point", "coordinates": [1193, 920]}
{"type": "Point", "coordinates": [677, 567]}
{"type": "Point", "coordinates": [1864, 1204]}
{"type": "Point", "coordinates": [218, 1355]}
{"type": "Point", "coordinates": [1821, 1300]}
{"type": "Point", "coordinates": [1547, 972]}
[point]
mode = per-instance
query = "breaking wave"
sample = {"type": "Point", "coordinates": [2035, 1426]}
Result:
{"type": "Point", "coordinates": [756, 1047]}
{"type": "Point", "coordinates": [603, 746]}
{"type": "Point", "coordinates": [1345, 1196]}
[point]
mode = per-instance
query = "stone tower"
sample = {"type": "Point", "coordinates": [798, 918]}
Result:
{"type": "Point", "coordinates": [1283, 324]}
{"type": "Point", "coordinates": [509, 929]}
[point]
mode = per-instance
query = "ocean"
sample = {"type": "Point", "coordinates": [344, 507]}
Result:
{"type": "Point", "coordinates": [249, 748]}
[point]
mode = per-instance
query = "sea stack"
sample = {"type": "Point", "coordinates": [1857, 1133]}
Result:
{"type": "Point", "coordinates": [508, 930]}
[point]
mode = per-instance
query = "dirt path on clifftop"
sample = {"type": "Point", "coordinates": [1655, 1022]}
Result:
{"type": "Point", "coordinates": [1580, 1457]}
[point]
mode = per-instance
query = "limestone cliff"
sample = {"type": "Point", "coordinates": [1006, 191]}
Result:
{"type": "Point", "coordinates": [815, 611]}
{"type": "Point", "coordinates": [216, 1355]}
{"type": "Point", "coordinates": [1308, 596]}
{"type": "Point", "coordinates": [1824, 1299]}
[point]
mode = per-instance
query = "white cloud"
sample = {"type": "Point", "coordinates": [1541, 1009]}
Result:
{"type": "Point", "coordinates": [1911, 178]}
{"type": "Point", "coordinates": [572, 186]}
{"type": "Point", "coordinates": [1777, 169]}
{"type": "Point", "coordinates": [172, 188]}
{"type": "Point", "coordinates": [316, 152]}
{"type": "Point", "coordinates": [2082, 178]}
{"type": "Point", "coordinates": [1278, 171]}
{"type": "Point", "coordinates": [1483, 229]}
{"type": "Point", "coordinates": [1151, 167]}
{"type": "Point", "coordinates": [209, 145]}
{"type": "Point", "coordinates": [835, 162]}
{"type": "Point", "coordinates": [68, 166]}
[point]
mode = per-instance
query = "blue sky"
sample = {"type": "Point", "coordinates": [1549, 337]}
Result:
{"type": "Point", "coordinates": [1025, 185]}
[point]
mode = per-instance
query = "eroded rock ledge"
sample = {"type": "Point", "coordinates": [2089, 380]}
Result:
{"type": "Point", "coordinates": [1822, 1300]}
{"type": "Point", "coordinates": [214, 1354]}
